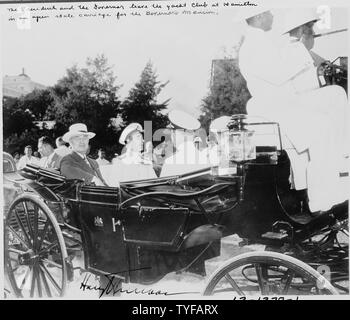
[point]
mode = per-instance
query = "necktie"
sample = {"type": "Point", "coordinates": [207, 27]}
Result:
{"type": "Point", "coordinates": [87, 162]}
{"type": "Point", "coordinates": [95, 172]}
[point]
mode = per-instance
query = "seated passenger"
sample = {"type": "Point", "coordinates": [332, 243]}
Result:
{"type": "Point", "coordinates": [77, 165]}
{"type": "Point", "coordinates": [28, 158]}
{"type": "Point", "coordinates": [217, 148]}
{"type": "Point", "coordinates": [61, 148]}
{"type": "Point", "coordinates": [101, 160]}
{"type": "Point", "coordinates": [132, 164]}
{"type": "Point", "coordinates": [187, 157]}
{"type": "Point", "coordinates": [49, 158]}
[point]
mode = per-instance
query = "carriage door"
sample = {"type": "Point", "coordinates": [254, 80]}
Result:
{"type": "Point", "coordinates": [104, 248]}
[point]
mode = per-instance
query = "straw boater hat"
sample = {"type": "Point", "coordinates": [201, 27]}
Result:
{"type": "Point", "coordinates": [297, 17]}
{"type": "Point", "coordinates": [77, 129]}
{"type": "Point", "coordinates": [182, 120]}
{"type": "Point", "coordinates": [128, 130]}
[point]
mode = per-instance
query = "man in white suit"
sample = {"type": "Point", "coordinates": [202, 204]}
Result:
{"type": "Point", "coordinates": [271, 73]}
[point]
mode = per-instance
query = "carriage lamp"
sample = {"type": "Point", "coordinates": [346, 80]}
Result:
{"type": "Point", "coordinates": [240, 141]}
{"type": "Point", "coordinates": [235, 146]}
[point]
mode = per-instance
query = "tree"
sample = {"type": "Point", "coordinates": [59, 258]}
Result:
{"type": "Point", "coordinates": [16, 117]}
{"type": "Point", "coordinates": [38, 101]}
{"type": "Point", "coordinates": [20, 116]}
{"type": "Point", "coordinates": [141, 104]}
{"type": "Point", "coordinates": [228, 93]}
{"type": "Point", "coordinates": [16, 142]}
{"type": "Point", "coordinates": [87, 95]}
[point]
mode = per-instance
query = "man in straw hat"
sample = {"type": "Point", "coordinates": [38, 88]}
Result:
{"type": "Point", "coordinates": [303, 117]}
{"type": "Point", "coordinates": [77, 165]}
{"type": "Point", "coordinates": [298, 30]}
{"type": "Point", "coordinates": [299, 25]}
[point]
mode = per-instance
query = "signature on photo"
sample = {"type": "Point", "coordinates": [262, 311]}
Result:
{"type": "Point", "coordinates": [112, 285]}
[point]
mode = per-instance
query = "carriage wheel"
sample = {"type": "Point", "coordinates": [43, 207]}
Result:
{"type": "Point", "coordinates": [266, 273]}
{"type": "Point", "coordinates": [35, 252]}
{"type": "Point", "coordinates": [337, 260]}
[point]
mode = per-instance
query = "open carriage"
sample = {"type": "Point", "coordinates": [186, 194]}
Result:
{"type": "Point", "coordinates": [146, 229]}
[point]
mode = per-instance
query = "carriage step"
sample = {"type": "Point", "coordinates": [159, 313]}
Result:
{"type": "Point", "coordinates": [275, 235]}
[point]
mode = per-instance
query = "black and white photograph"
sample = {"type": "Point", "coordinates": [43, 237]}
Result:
{"type": "Point", "coordinates": [181, 149]}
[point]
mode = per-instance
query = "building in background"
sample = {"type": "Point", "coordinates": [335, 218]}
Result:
{"type": "Point", "coordinates": [16, 86]}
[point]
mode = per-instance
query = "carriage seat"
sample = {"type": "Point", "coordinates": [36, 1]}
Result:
{"type": "Point", "coordinates": [268, 136]}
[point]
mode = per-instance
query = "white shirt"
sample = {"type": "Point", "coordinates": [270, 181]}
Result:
{"type": "Point", "coordinates": [102, 162]}
{"type": "Point", "coordinates": [186, 159]}
{"type": "Point", "coordinates": [62, 151]}
{"type": "Point", "coordinates": [26, 160]}
{"type": "Point", "coordinates": [121, 171]}
{"type": "Point", "coordinates": [134, 158]}
{"type": "Point", "coordinates": [269, 68]}
{"type": "Point", "coordinates": [45, 160]}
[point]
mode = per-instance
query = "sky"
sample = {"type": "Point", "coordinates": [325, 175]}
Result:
{"type": "Point", "coordinates": [180, 47]}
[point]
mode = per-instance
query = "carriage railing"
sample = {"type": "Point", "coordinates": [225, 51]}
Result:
{"type": "Point", "coordinates": [249, 140]}
{"type": "Point", "coordinates": [214, 189]}
{"type": "Point", "coordinates": [278, 130]}
{"type": "Point", "coordinates": [46, 176]}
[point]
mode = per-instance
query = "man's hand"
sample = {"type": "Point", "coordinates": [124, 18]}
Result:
{"type": "Point", "coordinates": [97, 181]}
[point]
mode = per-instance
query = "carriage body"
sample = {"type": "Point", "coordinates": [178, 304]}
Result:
{"type": "Point", "coordinates": [146, 229]}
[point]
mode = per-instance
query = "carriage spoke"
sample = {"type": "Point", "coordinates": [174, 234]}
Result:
{"type": "Point", "coordinates": [35, 231]}
{"type": "Point", "coordinates": [345, 232]}
{"type": "Point", "coordinates": [53, 281]}
{"type": "Point", "coordinates": [16, 251]}
{"type": "Point", "coordinates": [261, 273]}
{"type": "Point", "coordinates": [22, 227]}
{"type": "Point", "coordinates": [49, 247]}
{"type": "Point", "coordinates": [15, 268]}
{"type": "Point", "coordinates": [289, 278]}
{"type": "Point", "coordinates": [46, 285]}
{"type": "Point", "coordinates": [57, 265]}
{"type": "Point", "coordinates": [32, 288]}
{"type": "Point", "coordinates": [42, 236]}
{"type": "Point", "coordinates": [27, 218]}
{"type": "Point", "coordinates": [38, 280]}
{"type": "Point", "coordinates": [25, 278]}
{"type": "Point", "coordinates": [234, 284]}
{"type": "Point", "coordinates": [19, 237]}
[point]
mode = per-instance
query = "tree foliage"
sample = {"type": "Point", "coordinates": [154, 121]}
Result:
{"type": "Point", "coordinates": [141, 104]}
{"type": "Point", "coordinates": [88, 95]}
{"type": "Point", "coordinates": [20, 116]}
{"type": "Point", "coordinates": [16, 117]}
{"type": "Point", "coordinates": [38, 102]}
{"type": "Point", "coordinates": [228, 92]}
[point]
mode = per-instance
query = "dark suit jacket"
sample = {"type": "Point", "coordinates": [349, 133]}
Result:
{"type": "Point", "coordinates": [73, 166]}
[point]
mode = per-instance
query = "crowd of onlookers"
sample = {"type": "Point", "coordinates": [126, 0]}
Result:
{"type": "Point", "coordinates": [45, 148]}
{"type": "Point", "coordinates": [138, 159]}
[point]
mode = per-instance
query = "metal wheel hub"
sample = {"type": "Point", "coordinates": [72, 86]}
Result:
{"type": "Point", "coordinates": [28, 258]}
